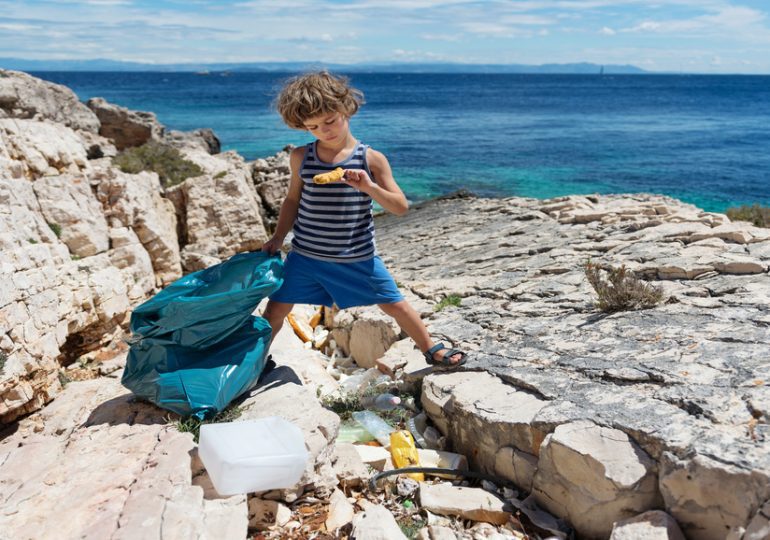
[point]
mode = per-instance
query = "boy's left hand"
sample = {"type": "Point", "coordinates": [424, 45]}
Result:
{"type": "Point", "coordinates": [358, 179]}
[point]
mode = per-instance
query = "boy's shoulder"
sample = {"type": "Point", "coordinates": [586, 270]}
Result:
{"type": "Point", "coordinates": [375, 156]}
{"type": "Point", "coordinates": [298, 151]}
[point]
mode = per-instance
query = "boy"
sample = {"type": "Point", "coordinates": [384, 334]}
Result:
{"type": "Point", "coordinates": [333, 257]}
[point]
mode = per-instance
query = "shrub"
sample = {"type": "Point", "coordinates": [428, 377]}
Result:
{"type": "Point", "coordinates": [451, 300]}
{"type": "Point", "coordinates": [56, 228]}
{"type": "Point", "coordinates": [759, 216]}
{"type": "Point", "coordinates": [64, 378]}
{"type": "Point", "coordinates": [193, 425]}
{"type": "Point", "coordinates": [163, 159]}
{"type": "Point", "coordinates": [3, 358]}
{"type": "Point", "coordinates": [621, 291]}
{"type": "Point", "coordinates": [343, 405]}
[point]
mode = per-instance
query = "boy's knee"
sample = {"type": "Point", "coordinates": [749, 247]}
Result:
{"type": "Point", "coordinates": [395, 307]}
{"type": "Point", "coordinates": [276, 311]}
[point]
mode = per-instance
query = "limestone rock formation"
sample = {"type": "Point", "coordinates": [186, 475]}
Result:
{"type": "Point", "coordinates": [202, 139]}
{"type": "Point", "coordinates": [685, 382]}
{"type": "Point", "coordinates": [134, 201]}
{"type": "Point", "coordinates": [26, 97]}
{"type": "Point", "coordinates": [219, 213]}
{"type": "Point", "coordinates": [32, 149]}
{"type": "Point", "coordinates": [125, 127]}
{"type": "Point", "coordinates": [271, 178]}
{"type": "Point", "coordinates": [82, 242]}
{"type": "Point", "coordinates": [594, 476]}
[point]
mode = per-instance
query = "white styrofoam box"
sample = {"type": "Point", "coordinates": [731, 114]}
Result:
{"type": "Point", "coordinates": [253, 455]}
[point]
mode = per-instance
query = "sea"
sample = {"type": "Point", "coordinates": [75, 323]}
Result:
{"type": "Point", "coordinates": [704, 139]}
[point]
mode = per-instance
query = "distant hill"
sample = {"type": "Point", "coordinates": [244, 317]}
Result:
{"type": "Point", "coordinates": [394, 67]}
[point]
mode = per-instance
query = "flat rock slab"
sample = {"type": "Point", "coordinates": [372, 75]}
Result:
{"type": "Point", "coordinates": [686, 380]}
{"type": "Point", "coordinates": [463, 502]}
{"type": "Point", "coordinates": [122, 470]}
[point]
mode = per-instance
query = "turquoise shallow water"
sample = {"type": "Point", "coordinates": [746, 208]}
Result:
{"type": "Point", "coordinates": [703, 139]}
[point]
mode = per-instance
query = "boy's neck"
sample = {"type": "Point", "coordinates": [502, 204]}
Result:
{"type": "Point", "coordinates": [335, 147]}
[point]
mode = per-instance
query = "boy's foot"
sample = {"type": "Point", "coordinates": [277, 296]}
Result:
{"type": "Point", "coordinates": [438, 357]}
{"type": "Point", "coordinates": [442, 356]}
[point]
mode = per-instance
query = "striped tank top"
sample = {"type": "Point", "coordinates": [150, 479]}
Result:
{"type": "Point", "coordinates": [334, 222]}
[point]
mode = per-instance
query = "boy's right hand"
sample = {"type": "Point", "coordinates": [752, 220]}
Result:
{"type": "Point", "coordinates": [272, 245]}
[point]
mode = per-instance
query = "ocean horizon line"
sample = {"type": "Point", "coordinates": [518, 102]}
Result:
{"type": "Point", "coordinates": [556, 68]}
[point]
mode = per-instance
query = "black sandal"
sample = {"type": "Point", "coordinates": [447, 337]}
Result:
{"type": "Point", "coordinates": [446, 360]}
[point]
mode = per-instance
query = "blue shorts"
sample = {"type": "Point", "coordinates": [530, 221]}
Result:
{"type": "Point", "coordinates": [312, 281]}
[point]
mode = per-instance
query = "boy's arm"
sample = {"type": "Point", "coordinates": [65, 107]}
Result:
{"type": "Point", "coordinates": [383, 187]}
{"type": "Point", "coordinates": [290, 205]}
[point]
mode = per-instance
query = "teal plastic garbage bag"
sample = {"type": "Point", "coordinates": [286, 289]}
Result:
{"type": "Point", "coordinates": [195, 345]}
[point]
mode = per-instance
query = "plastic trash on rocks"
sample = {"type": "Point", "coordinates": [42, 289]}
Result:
{"type": "Point", "coordinates": [443, 460]}
{"type": "Point", "coordinates": [404, 453]}
{"type": "Point", "coordinates": [381, 402]}
{"type": "Point", "coordinates": [196, 345]}
{"type": "Point", "coordinates": [360, 381]}
{"type": "Point", "coordinates": [253, 455]}
{"type": "Point", "coordinates": [353, 433]}
{"type": "Point", "coordinates": [374, 425]}
{"type": "Point", "coordinates": [416, 425]}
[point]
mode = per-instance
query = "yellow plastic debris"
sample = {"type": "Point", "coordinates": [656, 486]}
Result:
{"type": "Point", "coordinates": [316, 318]}
{"type": "Point", "coordinates": [404, 453]}
{"type": "Point", "coordinates": [302, 330]}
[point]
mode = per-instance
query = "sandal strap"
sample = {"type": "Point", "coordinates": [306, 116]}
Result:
{"type": "Point", "coordinates": [436, 348]}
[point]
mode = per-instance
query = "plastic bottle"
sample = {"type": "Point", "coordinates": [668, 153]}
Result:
{"type": "Point", "coordinates": [416, 425]}
{"type": "Point", "coordinates": [360, 381]}
{"type": "Point", "coordinates": [404, 453]}
{"type": "Point", "coordinates": [374, 425]}
{"type": "Point", "coordinates": [381, 402]}
{"type": "Point", "coordinates": [353, 433]}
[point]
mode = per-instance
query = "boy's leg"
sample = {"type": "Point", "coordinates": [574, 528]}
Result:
{"type": "Point", "coordinates": [275, 313]}
{"type": "Point", "coordinates": [411, 323]}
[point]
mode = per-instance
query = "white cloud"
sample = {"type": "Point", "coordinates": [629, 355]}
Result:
{"type": "Point", "coordinates": [440, 37]}
{"type": "Point", "coordinates": [17, 27]}
{"type": "Point", "coordinates": [360, 30]}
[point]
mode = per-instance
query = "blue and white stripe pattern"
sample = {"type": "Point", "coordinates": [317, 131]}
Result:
{"type": "Point", "coordinates": [334, 222]}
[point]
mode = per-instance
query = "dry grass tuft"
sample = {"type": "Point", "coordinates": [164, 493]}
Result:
{"type": "Point", "coordinates": [621, 290]}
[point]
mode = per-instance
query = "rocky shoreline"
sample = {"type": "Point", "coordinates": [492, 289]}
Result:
{"type": "Point", "coordinates": [602, 418]}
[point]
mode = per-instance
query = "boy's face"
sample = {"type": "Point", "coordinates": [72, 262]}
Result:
{"type": "Point", "coordinates": [331, 127]}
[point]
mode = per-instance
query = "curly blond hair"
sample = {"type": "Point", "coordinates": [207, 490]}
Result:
{"type": "Point", "coordinates": [314, 94]}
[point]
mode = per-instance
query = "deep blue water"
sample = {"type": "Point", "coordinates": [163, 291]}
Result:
{"type": "Point", "coordinates": [704, 139]}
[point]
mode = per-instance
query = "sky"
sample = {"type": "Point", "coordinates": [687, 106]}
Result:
{"type": "Point", "coordinates": [692, 36]}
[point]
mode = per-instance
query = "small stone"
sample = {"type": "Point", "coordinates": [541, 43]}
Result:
{"type": "Point", "coordinates": [340, 511]}
{"type": "Point", "coordinates": [376, 523]}
{"type": "Point", "coordinates": [406, 486]}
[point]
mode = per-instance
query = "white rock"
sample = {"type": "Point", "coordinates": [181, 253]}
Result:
{"type": "Point", "coordinates": [348, 466]}
{"type": "Point", "coordinates": [376, 523]}
{"type": "Point", "coordinates": [594, 476]}
{"type": "Point", "coordinates": [652, 525]}
{"type": "Point", "coordinates": [264, 514]}
{"type": "Point", "coordinates": [468, 503]}
{"type": "Point", "coordinates": [691, 489]}
{"type": "Point", "coordinates": [340, 511]}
